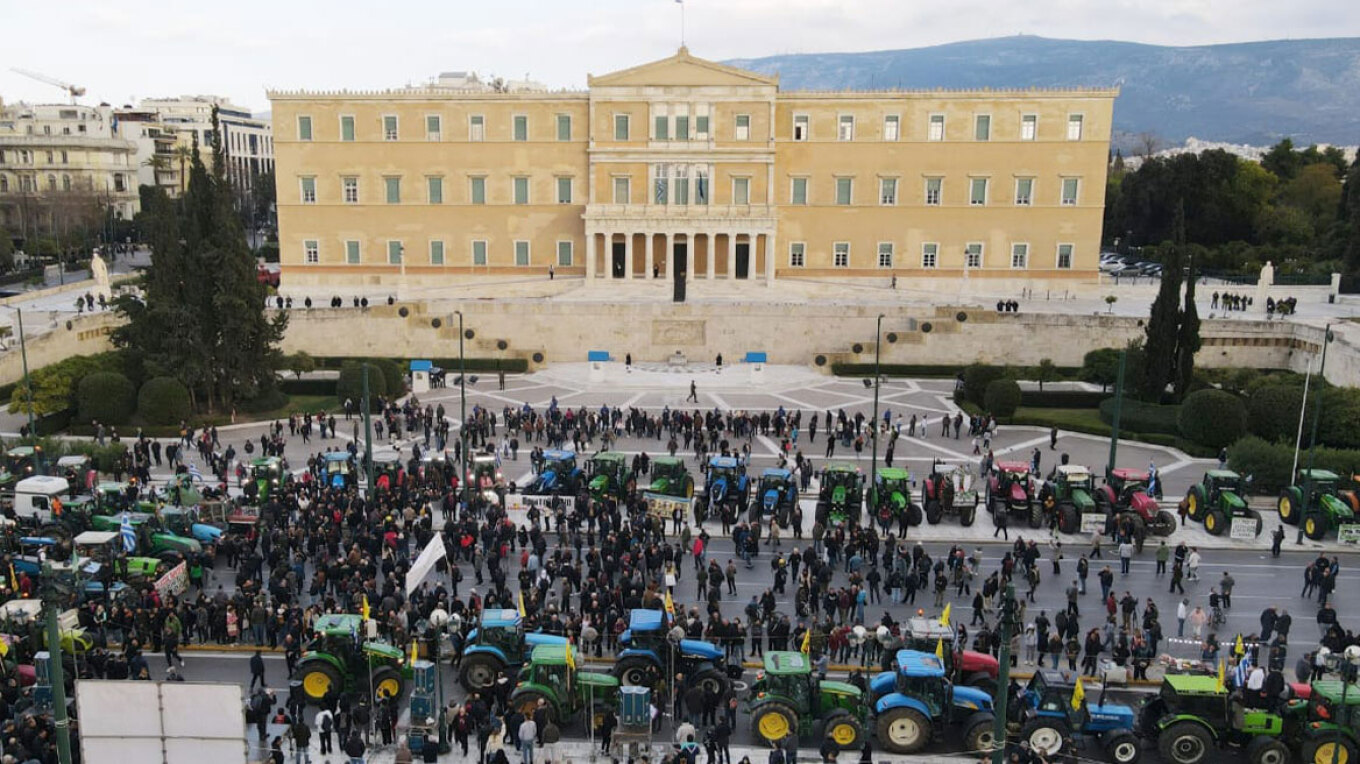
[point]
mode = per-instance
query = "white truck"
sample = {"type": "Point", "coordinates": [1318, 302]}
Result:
{"type": "Point", "coordinates": [34, 499]}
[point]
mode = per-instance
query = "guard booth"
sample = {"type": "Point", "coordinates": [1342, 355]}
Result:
{"type": "Point", "coordinates": [420, 376]}
{"type": "Point", "coordinates": [756, 362]}
{"type": "Point", "coordinates": [597, 359]}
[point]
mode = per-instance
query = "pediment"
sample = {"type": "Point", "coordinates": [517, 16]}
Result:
{"type": "Point", "coordinates": [682, 70]}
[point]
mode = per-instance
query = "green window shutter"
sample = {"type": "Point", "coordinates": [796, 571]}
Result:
{"type": "Point", "coordinates": [662, 129]}
{"type": "Point", "coordinates": [304, 128]}
{"type": "Point", "coordinates": [521, 190]}
{"type": "Point", "coordinates": [563, 127]}
{"type": "Point", "coordinates": [393, 190]}
{"type": "Point", "coordinates": [620, 127]}
{"type": "Point", "coordinates": [521, 128]}
{"type": "Point", "coordinates": [564, 254]}
{"type": "Point", "coordinates": [479, 253]}
{"type": "Point", "coordinates": [352, 252]}
{"type": "Point", "coordinates": [478, 190]}
{"type": "Point", "coordinates": [436, 253]}
{"type": "Point", "coordinates": [436, 190]}
{"type": "Point", "coordinates": [347, 128]}
{"type": "Point", "coordinates": [701, 126]}
{"type": "Point", "coordinates": [394, 253]}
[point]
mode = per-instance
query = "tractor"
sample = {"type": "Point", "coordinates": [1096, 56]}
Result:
{"type": "Point", "coordinates": [485, 479]}
{"type": "Point", "coordinates": [1324, 507]}
{"type": "Point", "coordinates": [269, 477]}
{"type": "Point", "coordinates": [1053, 718]}
{"type": "Point", "coordinates": [20, 462]}
{"type": "Point", "coordinates": [551, 679]}
{"type": "Point", "coordinates": [778, 494]}
{"type": "Point", "coordinates": [498, 644]}
{"type": "Point", "coordinates": [670, 477]}
{"type": "Point", "coordinates": [891, 498]}
{"type": "Point", "coordinates": [1193, 716]}
{"type": "Point", "coordinates": [186, 522]}
{"type": "Point", "coordinates": [787, 699]}
{"type": "Point", "coordinates": [386, 464]}
{"type": "Point", "coordinates": [339, 470]}
{"type": "Point", "coordinates": [154, 539]}
{"type": "Point", "coordinates": [915, 702]}
{"type": "Point", "coordinates": [840, 498]}
{"type": "Point", "coordinates": [1071, 494]}
{"type": "Point", "coordinates": [949, 490]}
{"type": "Point", "coordinates": [1125, 493]}
{"type": "Point", "coordinates": [1333, 729]}
{"type": "Point", "coordinates": [610, 476]}
{"type": "Point", "coordinates": [341, 659]}
{"type": "Point", "coordinates": [557, 474]}
{"type": "Point", "coordinates": [727, 489]}
{"type": "Point", "coordinates": [962, 667]}
{"type": "Point", "coordinates": [1011, 489]}
{"type": "Point", "coordinates": [1219, 499]}
{"type": "Point", "coordinates": [648, 655]}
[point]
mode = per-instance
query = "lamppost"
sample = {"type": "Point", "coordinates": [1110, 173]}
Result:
{"type": "Point", "coordinates": [462, 413]}
{"type": "Point", "coordinates": [28, 385]}
{"type": "Point", "coordinates": [1317, 417]}
{"type": "Point", "coordinates": [873, 430]}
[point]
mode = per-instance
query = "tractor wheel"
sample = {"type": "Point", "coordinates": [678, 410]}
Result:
{"type": "Point", "coordinates": [1046, 734]}
{"type": "Point", "coordinates": [982, 681]}
{"type": "Point", "coordinates": [1290, 506]}
{"type": "Point", "coordinates": [1123, 747]}
{"type": "Point", "coordinates": [1215, 522]}
{"type": "Point", "coordinates": [903, 730]}
{"type": "Point", "coordinates": [1185, 743]}
{"type": "Point", "coordinates": [1164, 524]}
{"type": "Point", "coordinates": [933, 511]}
{"type": "Point", "coordinates": [1194, 502]}
{"type": "Point", "coordinates": [715, 680]}
{"type": "Point", "coordinates": [1323, 750]}
{"type": "Point", "coordinates": [1264, 749]}
{"type": "Point", "coordinates": [773, 722]}
{"type": "Point", "coordinates": [688, 491]}
{"type": "Point", "coordinates": [387, 683]}
{"type": "Point", "coordinates": [1315, 525]}
{"type": "Point", "coordinates": [527, 702]}
{"type": "Point", "coordinates": [321, 682]}
{"type": "Point", "coordinates": [990, 502]}
{"type": "Point", "coordinates": [635, 671]}
{"type": "Point", "coordinates": [967, 515]}
{"type": "Point", "coordinates": [1068, 519]}
{"type": "Point", "coordinates": [478, 671]}
{"type": "Point", "coordinates": [979, 733]}
{"type": "Point", "coordinates": [844, 730]}
{"type": "Point", "coordinates": [1260, 523]}
{"type": "Point", "coordinates": [1035, 511]}
{"type": "Point", "coordinates": [914, 514]}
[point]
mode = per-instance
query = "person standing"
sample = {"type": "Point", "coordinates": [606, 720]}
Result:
{"type": "Point", "coordinates": [1192, 564]}
{"type": "Point", "coordinates": [325, 725]}
{"type": "Point", "coordinates": [528, 733]}
{"type": "Point", "coordinates": [355, 748]}
{"type": "Point", "coordinates": [1163, 554]}
{"type": "Point", "coordinates": [302, 741]}
{"type": "Point", "coordinates": [257, 670]}
{"type": "Point", "coordinates": [1225, 587]}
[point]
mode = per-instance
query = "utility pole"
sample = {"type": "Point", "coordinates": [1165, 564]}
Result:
{"type": "Point", "coordinates": [1118, 406]}
{"type": "Point", "coordinates": [1003, 681]}
{"type": "Point", "coordinates": [28, 384]}
{"type": "Point", "coordinates": [56, 672]}
{"type": "Point", "coordinates": [1317, 418]}
{"type": "Point", "coordinates": [462, 415]}
{"type": "Point", "coordinates": [368, 435]}
{"type": "Point", "coordinates": [873, 429]}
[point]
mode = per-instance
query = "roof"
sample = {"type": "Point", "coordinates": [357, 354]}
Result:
{"type": "Point", "coordinates": [682, 69]}
{"type": "Point", "coordinates": [724, 462]}
{"type": "Point", "coordinates": [1318, 475]}
{"type": "Point", "coordinates": [786, 663]}
{"type": "Point", "coordinates": [20, 451]}
{"type": "Point", "coordinates": [336, 456]}
{"type": "Point", "coordinates": [552, 655]}
{"type": "Point", "coordinates": [1054, 678]}
{"type": "Point", "coordinates": [1222, 474]}
{"type": "Point", "coordinates": [339, 624]}
{"type": "Point", "coordinates": [557, 455]}
{"type": "Point", "coordinates": [42, 484]}
{"type": "Point", "coordinates": [95, 538]}
{"type": "Point", "coordinates": [929, 627]}
{"type": "Point", "coordinates": [72, 460]}
{"type": "Point", "coordinates": [610, 456]}
{"type": "Point", "coordinates": [673, 460]}
{"type": "Point", "coordinates": [507, 617]}
{"type": "Point", "coordinates": [1073, 470]}
{"type": "Point", "coordinates": [266, 461]}
{"type": "Point", "coordinates": [644, 620]}
{"type": "Point", "coordinates": [893, 473]}
{"type": "Point", "coordinates": [772, 472]}
{"type": "Point", "coordinates": [1195, 684]}
{"type": "Point", "coordinates": [841, 467]}
{"type": "Point", "coordinates": [1013, 466]}
{"type": "Point", "coordinates": [1128, 473]}
{"type": "Point", "coordinates": [1330, 689]}
{"type": "Point", "coordinates": [918, 663]}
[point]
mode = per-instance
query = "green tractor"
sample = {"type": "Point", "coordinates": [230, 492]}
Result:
{"type": "Point", "coordinates": [890, 499]}
{"type": "Point", "coordinates": [20, 462]}
{"type": "Point", "coordinates": [269, 477]}
{"type": "Point", "coordinates": [1193, 717]}
{"type": "Point", "coordinates": [155, 540]}
{"type": "Point", "coordinates": [787, 699]}
{"type": "Point", "coordinates": [340, 659]}
{"type": "Point", "coordinates": [840, 498]}
{"type": "Point", "coordinates": [670, 477]}
{"type": "Point", "coordinates": [610, 476]}
{"type": "Point", "coordinates": [1219, 499]}
{"type": "Point", "coordinates": [1333, 730]}
{"type": "Point", "coordinates": [1071, 493]}
{"type": "Point", "coordinates": [551, 678]}
{"type": "Point", "coordinates": [1317, 503]}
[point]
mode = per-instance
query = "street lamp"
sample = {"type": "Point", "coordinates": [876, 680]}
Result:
{"type": "Point", "coordinates": [873, 430]}
{"type": "Point", "coordinates": [1317, 411]}
{"type": "Point", "coordinates": [28, 385]}
{"type": "Point", "coordinates": [462, 413]}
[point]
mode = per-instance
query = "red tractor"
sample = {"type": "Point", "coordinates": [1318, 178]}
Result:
{"type": "Point", "coordinates": [1125, 493]}
{"type": "Point", "coordinates": [1011, 489]}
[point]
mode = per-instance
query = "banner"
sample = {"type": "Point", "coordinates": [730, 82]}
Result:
{"type": "Point", "coordinates": [175, 580]}
{"type": "Point", "coordinates": [1092, 522]}
{"type": "Point", "coordinates": [663, 506]}
{"type": "Point", "coordinates": [522, 503]}
{"type": "Point", "coordinates": [1243, 528]}
{"type": "Point", "coordinates": [431, 554]}
{"type": "Point", "coordinates": [1348, 533]}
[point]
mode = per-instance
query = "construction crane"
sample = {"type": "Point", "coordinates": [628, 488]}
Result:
{"type": "Point", "coordinates": [71, 90]}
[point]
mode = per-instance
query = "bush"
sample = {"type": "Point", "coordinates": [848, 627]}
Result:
{"type": "Point", "coordinates": [1002, 397]}
{"type": "Point", "coordinates": [307, 386]}
{"type": "Point", "coordinates": [977, 377]}
{"type": "Point", "coordinates": [268, 400]}
{"type": "Point", "coordinates": [1213, 417]}
{"type": "Point", "coordinates": [1273, 412]}
{"type": "Point", "coordinates": [105, 396]}
{"type": "Point", "coordinates": [164, 401]}
{"type": "Point", "coordinates": [1339, 426]}
{"type": "Point", "coordinates": [1101, 367]}
{"type": "Point", "coordinates": [350, 386]}
{"type": "Point", "coordinates": [1268, 464]}
{"type": "Point", "coordinates": [393, 376]}
{"type": "Point", "coordinates": [1061, 399]}
{"type": "Point", "coordinates": [1142, 417]}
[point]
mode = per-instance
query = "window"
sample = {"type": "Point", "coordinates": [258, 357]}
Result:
{"type": "Point", "coordinates": [885, 254]}
{"type": "Point", "coordinates": [701, 127]}
{"type": "Point", "coordinates": [352, 252]}
{"type": "Point", "coordinates": [564, 190]}
{"type": "Point", "coordinates": [477, 190]}
{"type": "Point", "coordinates": [982, 127]}
{"type": "Point", "coordinates": [521, 127]}
{"type": "Point", "coordinates": [393, 190]}
{"type": "Point", "coordinates": [800, 127]}
{"type": "Point", "coordinates": [680, 189]}
{"type": "Point", "coordinates": [1065, 256]}
{"type": "Point", "coordinates": [65, 159]}
{"type": "Point", "coordinates": [840, 254]}
{"type": "Point", "coordinates": [1029, 127]}
{"type": "Point", "coordinates": [309, 190]}
{"type": "Point", "coordinates": [4, 183]}
{"type": "Point", "coordinates": [797, 254]}
{"type": "Point", "coordinates": [347, 129]}
{"type": "Point", "coordinates": [887, 191]}
{"type": "Point", "coordinates": [1073, 127]}
{"type": "Point", "coordinates": [936, 131]}
{"type": "Point", "coordinates": [521, 253]}
{"type": "Point", "coordinates": [663, 127]}
{"type": "Point", "coordinates": [891, 127]}
{"type": "Point", "coordinates": [51, 158]}
{"type": "Point", "coordinates": [743, 132]}
{"type": "Point", "coordinates": [119, 184]}
{"type": "Point", "coordinates": [799, 191]}
{"type": "Point", "coordinates": [304, 128]}
{"type": "Point", "coordinates": [433, 125]}
{"type": "Point", "coordinates": [977, 194]}
{"type": "Point", "coordinates": [620, 127]}
{"type": "Point", "coordinates": [65, 182]}
{"type": "Point", "coordinates": [741, 190]}
{"type": "Point", "coordinates": [436, 253]}
{"type": "Point", "coordinates": [972, 256]}
{"type": "Point", "coordinates": [521, 190]}
{"type": "Point", "coordinates": [621, 191]}
{"type": "Point", "coordinates": [311, 252]}
{"type": "Point", "coordinates": [681, 127]}
{"type": "Point", "coordinates": [844, 190]}
{"type": "Point", "coordinates": [351, 190]}
{"type": "Point", "coordinates": [1024, 191]}
{"type": "Point", "coordinates": [1019, 255]}
{"type": "Point", "coordinates": [479, 253]}
{"type": "Point", "coordinates": [661, 184]}
{"type": "Point", "coordinates": [564, 254]}
{"type": "Point", "coordinates": [394, 251]}
{"type": "Point", "coordinates": [845, 128]}
{"type": "Point", "coordinates": [390, 127]}
{"type": "Point", "coordinates": [476, 128]}
{"type": "Point", "coordinates": [930, 255]}
{"type": "Point", "coordinates": [1069, 192]}
{"type": "Point", "coordinates": [563, 127]}
{"type": "Point", "coordinates": [934, 190]}
{"type": "Point", "coordinates": [701, 185]}
{"type": "Point", "coordinates": [436, 185]}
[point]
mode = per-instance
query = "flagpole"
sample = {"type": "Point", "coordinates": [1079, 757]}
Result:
{"type": "Point", "coordinates": [682, 22]}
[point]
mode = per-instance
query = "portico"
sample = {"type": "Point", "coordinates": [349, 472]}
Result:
{"type": "Point", "coordinates": [627, 244]}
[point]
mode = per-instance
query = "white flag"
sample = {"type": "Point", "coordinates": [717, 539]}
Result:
{"type": "Point", "coordinates": [431, 554]}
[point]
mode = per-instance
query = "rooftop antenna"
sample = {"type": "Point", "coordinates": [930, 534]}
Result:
{"type": "Point", "coordinates": [682, 22]}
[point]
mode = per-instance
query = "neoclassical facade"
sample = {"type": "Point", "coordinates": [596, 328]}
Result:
{"type": "Point", "coordinates": [687, 167]}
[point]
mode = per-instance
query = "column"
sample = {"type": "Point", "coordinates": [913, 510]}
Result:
{"type": "Point", "coordinates": [647, 247]}
{"type": "Point", "coordinates": [713, 252]}
{"type": "Point", "coordinates": [628, 255]}
{"type": "Point", "coordinates": [669, 269]}
{"type": "Point", "coordinates": [590, 255]}
{"type": "Point", "coordinates": [690, 275]}
{"type": "Point", "coordinates": [771, 252]}
{"type": "Point", "coordinates": [732, 256]}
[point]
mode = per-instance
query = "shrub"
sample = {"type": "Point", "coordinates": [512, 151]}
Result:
{"type": "Point", "coordinates": [164, 401]}
{"type": "Point", "coordinates": [1213, 417]}
{"type": "Point", "coordinates": [977, 377]}
{"type": "Point", "coordinates": [106, 396]}
{"type": "Point", "coordinates": [1061, 399]}
{"type": "Point", "coordinates": [1142, 417]}
{"type": "Point", "coordinates": [1267, 463]}
{"type": "Point", "coordinates": [1002, 397]}
{"type": "Point", "coordinates": [351, 384]}
{"type": "Point", "coordinates": [307, 386]}
{"type": "Point", "coordinates": [1273, 412]}
{"type": "Point", "coordinates": [1339, 426]}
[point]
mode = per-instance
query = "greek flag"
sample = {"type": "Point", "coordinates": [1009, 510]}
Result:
{"type": "Point", "coordinates": [194, 473]}
{"type": "Point", "coordinates": [1242, 671]}
{"type": "Point", "coordinates": [129, 536]}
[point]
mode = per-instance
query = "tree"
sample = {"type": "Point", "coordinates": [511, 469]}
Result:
{"type": "Point", "coordinates": [1046, 371]}
{"type": "Point", "coordinates": [1350, 214]}
{"type": "Point", "coordinates": [1213, 418]}
{"type": "Point", "coordinates": [185, 155]}
{"type": "Point", "coordinates": [1002, 397]}
{"type": "Point", "coordinates": [1281, 160]}
{"type": "Point", "coordinates": [107, 397]}
{"type": "Point", "coordinates": [1187, 336]}
{"type": "Point", "coordinates": [1110, 300]}
{"type": "Point", "coordinates": [301, 363]}
{"type": "Point", "coordinates": [1316, 192]}
{"type": "Point", "coordinates": [1162, 326]}
{"type": "Point", "coordinates": [1101, 367]}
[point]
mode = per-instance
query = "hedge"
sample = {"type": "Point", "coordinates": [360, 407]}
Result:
{"type": "Point", "coordinates": [1268, 463]}
{"type": "Point", "coordinates": [1273, 412]}
{"type": "Point", "coordinates": [1213, 417]}
{"type": "Point", "coordinates": [449, 365]}
{"type": "Point", "coordinates": [1002, 397]}
{"type": "Point", "coordinates": [1061, 399]}
{"type": "Point", "coordinates": [977, 377]}
{"type": "Point", "coordinates": [350, 386]}
{"type": "Point", "coordinates": [164, 401]}
{"type": "Point", "coordinates": [106, 397]}
{"type": "Point", "coordinates": [308, 386]}
{"type": "Point", "coordinates": [1140, 416]}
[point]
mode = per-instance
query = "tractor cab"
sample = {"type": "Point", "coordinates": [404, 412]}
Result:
{"type": "Point", "coordinates": [1049, 693]}
{"type": "Point", "coordinates": [20, 462]}
{"type": "Point", "coordinates": [671, 477]}
{"type": "Point", "coordinates": [1012, 474]}
{"type": "Point", "coordinates": [1326, 704]}
{"type": "Point", "coordinates": [386, 464]}
{"type": "Point", "coordinates": [726, 469]}
{"type": "Point", "coordinates": [1219, 484]}
{"type": "Point", "coordinates": [610, 474]}
{"type": "Point", "coordinates": [776, 488]}
{"type": "Point", "coordinates": [920, 675]}
{"type": "Point", "coordinates": [963, 667]}
{"type": "Point", "coordinates": [1324, 491]}
{"type": "Point", "coordinates": [786, 675]}
{"type": "Point", "coordinates": [111, 498]}
{"type": "Point", "coordinates": [841, 494]}
{"type": "Point", "coordinates": [339, 469]}
{"type": "Point", "coordinates": [498, 643]}
{"type": "Point", "coordinates": [1127, 482]}
{"type": "Point", "coordinates": [186, 522]}
{"type": "Point", "coordinates": [1073, 477]}
{"type": "Point", "coordinates": [485, 477]}
{"type": "Point", "coordinates": [557, 473]}
{"type": "Point", "coordinates": [268, 475]}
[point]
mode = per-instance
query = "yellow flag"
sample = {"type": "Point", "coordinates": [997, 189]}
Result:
{"type": "Point", "coordinates": [670, 604]}
{"type": "Point", "coordinates": [939, 649]}
{"type": "Point", "coordinates": [807, 642]}
{"type": "Point", "coordinates": [415, 652]}
{"type": "Point", "coordinates": [1239, 648]}
{"type": "Point", "coordinates": [1078, 695]}
{"type": "Point", "coordinates": [571, 658]}
{"type": "Point", "coordinates": [365, 611]}
{"type": "Point", "coordinates": [4, 647]}
{"type": "Point", "coordinates": [1221, 671]}
{"type": "Point", "coordinates": [944, 617]}
{"type": "Point", "coordinates": [522, 613]}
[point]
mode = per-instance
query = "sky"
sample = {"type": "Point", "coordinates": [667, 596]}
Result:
{"type": "Point", "coordinates": [121, 51]}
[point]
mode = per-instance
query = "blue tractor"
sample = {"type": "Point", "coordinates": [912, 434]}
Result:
{"type": "Point", "coordinates": [338, 469]}
{"type": "Point", "coordinates": [727, 489]}
{"type": "Point", "coordinates": [1054, 724]}
{"type": "Point", "coordinates": [498, 644]}
{"type": "Point", "coordinates": [648, 655]}
{"type": "Point", "coordinates": [914, 703]}
{"type": "Point", "coordinates": [778, 495]}
{"type": "Point", "coordinates": [557, 474]}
